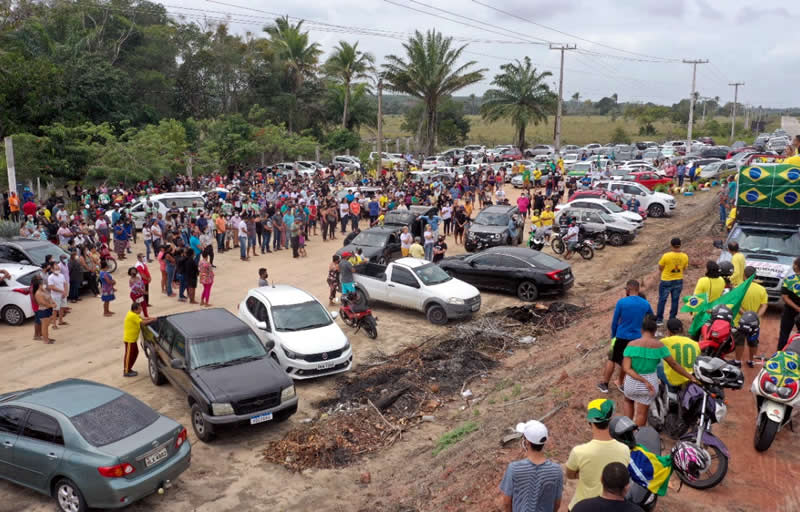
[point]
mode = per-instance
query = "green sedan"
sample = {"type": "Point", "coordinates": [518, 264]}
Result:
{"type": "Point", "coordinates": [88, 445]}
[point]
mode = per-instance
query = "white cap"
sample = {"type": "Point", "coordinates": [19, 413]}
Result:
{"type": "Point", "coordinates": [534, 431]}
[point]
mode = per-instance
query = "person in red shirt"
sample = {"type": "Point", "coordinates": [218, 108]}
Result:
{"type": "Point", "coordinates": [29, 208]}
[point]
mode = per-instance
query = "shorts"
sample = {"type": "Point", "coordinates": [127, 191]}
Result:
{"type": "Point", "coordinates": [739, 339]}
{"type": "Point", "coordinates": [348, 288]}
{"type": "Point", "coordinates": [57, 306]}
{"type": "Point", "coordinates": [404, 251]}
{"type": "Point", "coordinates": [637, 391]}
{"type": "Point", "coordinates": [571, 246]}
{"type": "Point", "coordinates": [107, 298]}
{"type": "Point", "coordinates": [616, 352]}
{"type": "Point", "coordinates": [44, 313]}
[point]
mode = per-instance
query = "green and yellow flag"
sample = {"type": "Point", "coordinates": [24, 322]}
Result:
{"type": "Point", "coordinates": [694, 303]}
{"type": "Point", "coordinates": [650, 470]}
{"type": "Point", "coordinates": [732, 299]}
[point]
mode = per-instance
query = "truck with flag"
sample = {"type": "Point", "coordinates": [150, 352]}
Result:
{"type": "Point", "coordinates": [767, 226]}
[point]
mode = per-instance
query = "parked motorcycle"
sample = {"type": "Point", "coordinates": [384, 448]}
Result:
{"type": "Point", "coordinates": [716, 335]}
{"type": "Point", "coordinates": [537, 237]}
{"type": "Point", "coordinates": [355, 314]}
{"type": "Point", "coordinates": [585, 246]}
{"type": "Point", "coordinates": [624, 430]}
{"type": "Point", "coordinates": [775, 389]}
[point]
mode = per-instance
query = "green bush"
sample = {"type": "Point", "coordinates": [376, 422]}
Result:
{"type": "Point", "coordinates": [661, 188]}
{"type": "Point", "coordinates": [454, 436]}
{"type": "Point", "coordinates": [9, 229]}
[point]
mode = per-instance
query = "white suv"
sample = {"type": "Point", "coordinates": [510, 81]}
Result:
{"type": "Point", "coordinates": [656, 204]}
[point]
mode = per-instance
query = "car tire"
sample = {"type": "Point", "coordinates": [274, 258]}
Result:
{"type": "Point", "coordinates": [527, 291]}
{"type": "Point", "coordinates": [436, 314]}
{"type": "Point", "coordinates": [616, 239]}
{"type": "Point", "coordinates": [361, 298]}
{"type": "Point", "coordinates": [156, 377]}
{"type": "Point", "coordinates": [655, 210]}
{"type": "Point", "coordinates": [69, 497]}
{"type": "Point", "coordinates": [203, 429]}
{"type": "Point", "coordinates": [13, 315]}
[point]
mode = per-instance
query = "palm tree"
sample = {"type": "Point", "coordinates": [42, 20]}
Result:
{"type": "Point", "coordinates": [522, 96]}
{"type": "Point", "coordinates": [429, 72]}
{"type": "Point", "coordinates": [296, 54]}
{"type": "Point", "coordinates": [348, 63]}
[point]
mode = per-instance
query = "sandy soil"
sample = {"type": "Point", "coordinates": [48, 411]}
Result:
{"type": "Point", "coordinates": [229, 474]}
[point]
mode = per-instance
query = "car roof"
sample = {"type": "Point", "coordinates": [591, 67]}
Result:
{"type": "Point", "coordinates": [24, 242]}
{"type": "Point", "coordinates": [207, 322]}
{"type": "Point", "coordinates": [283, 294]}
{"type": "Point", "coordinates": [16, 270]}
{"type": "Point", "coordinates": [520, 252]}
{"type": "Point", "coordinates": [411, 262]}
{"type": "Point", "coordinates": [71, 397]}
{"type": "Point", "coordinates": [498, 208]}
{"type": "Point", "coordinates": [382, 230]}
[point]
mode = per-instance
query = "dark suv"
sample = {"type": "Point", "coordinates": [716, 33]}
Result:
{"type": "Point", "coordinates": [222, 367]}
{"type": "Point", "coordinates": [493, 226]}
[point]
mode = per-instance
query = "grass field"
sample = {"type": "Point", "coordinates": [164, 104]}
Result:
{"type": "Point", "coordinates": [577, 130]}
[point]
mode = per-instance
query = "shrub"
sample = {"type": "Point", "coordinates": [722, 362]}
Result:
{"type": "Point", "coordinates": [9, 229]}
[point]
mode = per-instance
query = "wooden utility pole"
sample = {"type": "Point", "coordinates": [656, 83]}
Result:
{"type": "Point", "coordinates": [12, 171]}
{"type": "Point", "coordinates": [379, 143]}
{"type": "Point", "coordinates": [735, 86]}
{"type": "Point", "coordinates": [694, 64]}
{"type": "Point", "coordinates": [562, 48]}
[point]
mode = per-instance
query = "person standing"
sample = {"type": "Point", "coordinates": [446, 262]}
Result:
{"type": "Point", "coordinates": [711, 284]}
{"type": "Point", "coordinates": [190, 274]}
{"type": "Point", "coordinates": [738, 261]}
{"type": "Point", "coordinates": [587, 461]}
{"type": "Point", "coordinates": [13, 206]}
{"type": "Point", "coordinates": [416, 250]}
{"type": "Point", "coordinates": [755, 301]}
{"type": "Point", "coordinates": [790, 293]}
{"type": "Point", "coordinates": [671, 266]}
{"type": "Point", "coordinates": [75, 276]}
{"type": "Point", "coordinates": [615, 480]}
{"type": "Point", "coordinates": [131, 329]}
{"type": "Point", "coordinates": [241, 228]}
{"type": "Point", "coordinates": [461, 219]}
{"type": "Point", "coordinates": [144, 273]}
{"type": "Point", "coordinates": [439, 249]}
{"type": "Point", "coordinates": [45, 307]}
{"type": "Point", "coordinates": [332, 280]}
{"type": "Point", "coordinates": [534, 483]}
{"type": "Point", "coordinates": [57, 285]}
{"type": "Point", "coordinates": [429, 240]}
{"type": "Point", "coordinates": [137, 288]}
{"type": "Point", "coordinates": [206, 278]}
{"type": "Point", "coordinates": [626, 326]}
{"type": "Point", "coordinates": [684, 350]}
{"type": "Point", "coordinates": [346, 274]}
{"type": "Point", "coordinates": [107, 288]}
{"type": "Point", "coordinates": [221, 226]}
{"type": "Point", "coordinates": [406, 239]}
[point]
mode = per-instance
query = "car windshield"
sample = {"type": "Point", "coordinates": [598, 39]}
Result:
{"type": "Point", "coordinates": [225, 351]}
{"type": "Point", "coordinates": [114, 420]}
{"type": "Point", "coordinates": [491, 219]}
{"type": "Point", "coordinates": [771, 242]}
{"type": "Point", "coordinates": [299, 317]}
{"type": "Point", "coordinates": [39, 252]}
{"type": "Point", "coordinates": [431, 274]}
{"type": "Point", "coordinates": [370, 239]}
{"type": "Point", "coordinates": [182, 202]}
{"type": "Point", "coordinates": [612, 207]}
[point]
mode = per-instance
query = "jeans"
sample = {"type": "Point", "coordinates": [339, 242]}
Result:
{"type": "Point", "coordinates": [665, 288]}
{"type": "Point", "coordinates": [285, 240]}
{"type": "Point", "coordinates": [220, 242]}
{"type": "Point", "coordinates": [148, 244]}
{"type": "Point", "coordinates": [251, 242]}
{"type": "Point", "coordinates": [353, 222]}
{"type": "Point", "coordinates": [344, 223]}
{"type": "Point", "coordinates": [680, 180]}
{"type": "Point", "coordinates": [182, 281]}
{"type": "Point", "coordinates": [276, 240]}
{"type": "Point", "coordinates": [243, 247]}
{"type": "Point", "coordinates": [170, 278]}
{"type": "Point", "coordinates": [428, 248]}
{"type": "Point", "coordinates": [265, 241]}
{"type": "Point", "coordinates": [723, 215]}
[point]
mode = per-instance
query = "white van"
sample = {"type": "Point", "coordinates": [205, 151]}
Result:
{"type": "Point", "coordinates": [161, 203]}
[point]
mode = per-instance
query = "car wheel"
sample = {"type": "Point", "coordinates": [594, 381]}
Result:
{"type": "Point", "coordinates": [68, 497]}
{"type": "Point", "coordinates": [436, 314]}
{"type": "Point", "coordinates": [361, 298]}
{"type": "Point", "coordinates": [527, 291]}
{"type": "Point", "coordinates": [616, 239]}
{"type": "Point", "coordinates": [655, 210]}
{"type": "Point", "coordinates": [203, 429]}
{"type": "Point", "coordinates": [156, 377]}
{"type": "Point", "coordinates": [13, 315]}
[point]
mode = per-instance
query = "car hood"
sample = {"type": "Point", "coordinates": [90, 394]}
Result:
{"type": "Point", "coordinates": [454, 288]}
{"type": "Point", "coordinates": [367, 251]}
{"type": "Point", "coordinates": [480, 228]}
{"type": "Point", "coordinates": [621, 225]}
{"type": "Point", "coordinates": [246, 380]}
{"type": "Point", "coordinates": [633, 217]}
{"type": "Point", "coordinates": [664, 197]}
{"type": "Point", "coordinates": [313, 341]}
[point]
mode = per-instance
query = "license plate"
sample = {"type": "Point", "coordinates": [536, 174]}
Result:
{"type": "Point", "coordinates": [325, 366]}
{"type": "Point", "coordinates": [261, 418]}
{"type": "Point", "coordinates": [476, 307]}
{"type": "Point", "coordinates": [156, 457]}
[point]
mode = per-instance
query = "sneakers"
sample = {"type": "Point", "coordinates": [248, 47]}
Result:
{"type": "Point", "coordinates": [603, 387]}
{"type": "Point", "coordinates": [736, 362]}
{"type": "Point", "coordinates": [131, 373]}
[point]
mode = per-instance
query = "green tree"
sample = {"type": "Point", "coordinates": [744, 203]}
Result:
{"type": "Point", "coordinates": [620, 136]}
{"type": "Point", "coordinates": [362, 110]}
{"type": "Point", "coordinates": [452, 127]}
{"type": "Point", "coordinates": [429, 72]}
{"type": "Point", "coordinates": [522, 96]}
{"type": "Point", "coordinates": [348, 63]}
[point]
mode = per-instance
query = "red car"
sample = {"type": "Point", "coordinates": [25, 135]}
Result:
{"type": "Point", "coordinates": [649, 179]}
{"type": "Point", "coordinates": [509, 155]}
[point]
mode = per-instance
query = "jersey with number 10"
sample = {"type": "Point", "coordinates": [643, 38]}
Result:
{"type": "Point", "coordinates": [684, 350]}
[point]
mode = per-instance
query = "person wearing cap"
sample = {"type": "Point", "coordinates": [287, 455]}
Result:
{"type": "Point", "coordinates": [587, 461]}
{"type": "Point", "coordinates": [754, 300]}
{"type": "Point", "coordinates": [615, 480]}
{"type": "Point", "coordinates": [534, 483]}
{"type": "Point", "coordinates": [671, 266]}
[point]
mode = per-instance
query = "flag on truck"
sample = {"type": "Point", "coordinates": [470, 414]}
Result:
{"type": "Point", "coordinates": [732, 299]}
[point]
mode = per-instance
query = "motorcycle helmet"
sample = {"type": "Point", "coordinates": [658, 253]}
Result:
{"type": "Point", "coordinates": [722, 312]}
{"type": "Point", "coordinates": [688, 460]}
{"type": "Point", "coordinates": [749, 325]}
{"type": "Point", "coordinates": [725, 269]}
{"type": "Point", "coordinates": [622, 429]}
{"type": "Point", "coordinates": [712, 370]}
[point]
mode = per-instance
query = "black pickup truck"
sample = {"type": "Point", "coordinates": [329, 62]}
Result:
{"type": "Point", "coordinates": [226, 373]}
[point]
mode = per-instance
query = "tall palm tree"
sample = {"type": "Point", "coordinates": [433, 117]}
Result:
{"type": "Point", "coordinates": [429, 72]}
{"type": "Point", "coordinates": [522, 96]}
{"type": "Point", "coordinates": [348, 63]}
{"type": "Point", "coordinates": [298, 57]}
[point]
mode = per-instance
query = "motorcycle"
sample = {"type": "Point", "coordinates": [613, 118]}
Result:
{"type": "Point", "coordinates": [585, 246]}
{"type": "Point", "coordinates": [107, 256]}
{"type": "Point", "coordinates": [775, 390]}
{"type": "Point", "coordinates": [537, 237]}
{"type": "Point", "coordinates": [624, 430]}
{"type": "Point", "coordinates": [355, 314]}
{"type": "Point", "coordinates": [716, 335]}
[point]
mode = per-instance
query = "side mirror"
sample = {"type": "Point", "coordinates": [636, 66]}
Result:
{"type": "Point", "coordinates": [269, 345]}
{"type": "Point", "coordinates": [334, 314]}
{"type": "Point", "coordinates": [24, 262]}
{"type": "Point", "coordinates": [718, 244]}
{"type": "Point", "coordinates": [178, 364]}
{"type": "Point", "coordinates": [262, 326]}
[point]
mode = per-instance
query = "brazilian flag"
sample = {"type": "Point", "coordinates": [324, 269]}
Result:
{"type": "Point", "coordinates": [650, 470]}
{"type": "Point", "coordinates": [732, 299]}
{"type": "Point", "coordinates": [792, 284]}
{"type": "Point", "coordinates": [788, 197]}
{"type": "Point", "coordinates": [790, 176]}
{"type": "Point", "coordinates": [694, 303]}
{"type": "Point", "coordinates": [756, 175]}
{"type": "Point", "coordinates": [783, 368]}
{"type": "Point", "coordinates": [753, 196]}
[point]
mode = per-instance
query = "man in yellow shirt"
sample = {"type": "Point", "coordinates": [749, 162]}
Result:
{"type": "Point", "coordinates": [755, 300]}
{"type": "Point", "coordinates": [416, 250]}
{"type": "Point", "coordinates": [684, 350]}
{"type": "Point", "coordinates": [547, 216]}
{"type": "Point", "coordinates": [738, 262]}
{"type": "Point", "coordinates": [130, 335]}
{"type": "Point", "coordinates": [671, 266]}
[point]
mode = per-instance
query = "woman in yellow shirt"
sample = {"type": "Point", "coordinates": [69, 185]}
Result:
{"type": "Point", "coordinates": [535, 219]}
{"type": "Point", "coordinates": [547, 216]}
{"type": "Point", "coordinates": [712, 284]}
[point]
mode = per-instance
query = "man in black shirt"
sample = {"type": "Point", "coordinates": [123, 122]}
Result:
{"type": "Point", "coordinates": [615, 480]}
{"type": "Point", "coordinates": [439, 249]}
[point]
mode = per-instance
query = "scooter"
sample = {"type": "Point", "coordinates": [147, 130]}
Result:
{"type": "Point", "coordinates": [537, 237]}
{"type": "Point", "coordinates": [775, 389]}
{"type": "Point", "coordinates": [624, 430]}
{"type": "Point", "coordinates": [354, 314]}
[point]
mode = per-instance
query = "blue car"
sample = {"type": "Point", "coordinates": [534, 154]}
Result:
{"type": "Point", "coordinates": [88, 445]}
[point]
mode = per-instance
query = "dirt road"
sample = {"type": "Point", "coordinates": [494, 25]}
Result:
{"type": "Point", "coordinates": [229, 474]}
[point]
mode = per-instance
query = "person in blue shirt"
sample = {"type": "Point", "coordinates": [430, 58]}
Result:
{"type": "Point", "coordinates": [288, 220]}
{"type": "Point", "coordinates": [374, 208]}
{"type": "Point", "coordinates": [194, 243]}
{"type": "Point", "coordinates": [681, 172]}
{"type": "Point", "coordinates": [434, 222]}
{"type": "Point", "coordinates": [626, 326]}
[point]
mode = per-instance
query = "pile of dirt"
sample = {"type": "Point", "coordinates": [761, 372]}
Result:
{"type": "Point", "coordinates": [540, 317]}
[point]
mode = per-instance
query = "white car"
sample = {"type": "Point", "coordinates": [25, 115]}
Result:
{"type": "Point", "coordinates": [656, 204]}
{"type": "Point", "coordinates": [639, 165]}
{"type": "Point", "coordinates": [570, 159]}
{"type": "Point", "coordinates": [591, 149]}
{"type": "Point", "coordinates": [347, 161]}
{"type": "Point", "coordinates": [298, 331]}
{"type": "Point", "coordinates": [161, 203]}
{"type": "Point", "coordinates": [605, 206]}
{"type": "Point", "coordinates": [15, 298]}
{"type": "Point", "coordinates": [432, 162]}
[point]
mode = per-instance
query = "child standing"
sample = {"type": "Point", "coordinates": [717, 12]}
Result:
{"type": "Point", "coordinates": [107, 286]}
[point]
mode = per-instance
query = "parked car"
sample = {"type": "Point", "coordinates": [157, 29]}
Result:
{"type": "Point", "coordinates": [623, 152]}
{"type": "Point", "coordinates": [298, 331]}
{"type": "Point", "coordinates": [509, 155]}
{"type": "Point", "coordinates": [491, 227]}
{"type": "Point", "coordinates": [655, 204]}
{"type": "Point", "coordinates": [591, 149]}
{"type": "Point", "coordinates": [600, 193]}
{"type": "Point", "coordinates": [718, 169]}
{"type": "Point", "coordinates": [15, 298]}
{"type": "Point", "coordinates": [219, 363]}
{"type": "Point", "coordinates": [380, 244]}
{"type": "Point", "coordinates": [540, 149]}
{"type": "Point", "coordinates": [649, 179]}
{"type": "Point", "coordinates": [617, 232]}
{"type": "Point", "coordinates": [29, 252]}
{"type": "Point", "coordinates": [88, 445]}
{"type": "Point", "coordinates": [606, 207]}
{"type": "Point", "coordinates": [419, 285]}
{"type": "Point", "coordinates": [651, 154]}
{"type": "Point", "coordinates": [432, 162]}
{"type": "Point", "coordinates": [524, 272]}
{"type": "Point", "coordinates": [348, 162]}
{"type": "Point", "coordinates": [476, 150]}
{"type": "Point", "coordinates": [410, 218]}
{"type": "Point", "coordinates": [715, 152]}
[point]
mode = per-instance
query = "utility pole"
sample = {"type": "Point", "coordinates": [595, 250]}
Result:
{"type": "Point", "coordinates": [380, 127]}
{"type": "Point", "coordinates": [562, 48]}
{"type": "Point", "coordinates": [735, 86]}
{"type": "Point", "coordinates": [694, 64]}
{"type": "Point", "coordinates": [12, 172]}
{"type": "Point", "coordinates": [747, 118]}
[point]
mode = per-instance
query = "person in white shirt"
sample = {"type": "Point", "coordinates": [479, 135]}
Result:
{"type": "Point", "coordinates": [57, 284]}
{"type": "Point", "coordinates": [242, 228]}
{"type": "Point", "coordinates": [406, 239]}
{"type": "Point", "coordinates": [501, 195]}
{"type": "Point", "coordinates": [571, 239]}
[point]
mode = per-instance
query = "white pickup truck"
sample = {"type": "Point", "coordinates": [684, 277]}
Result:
{"type": "Point", "coordinates": [420, 285]}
